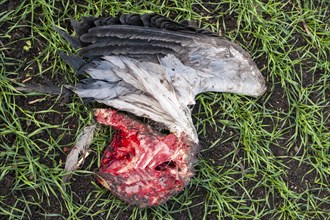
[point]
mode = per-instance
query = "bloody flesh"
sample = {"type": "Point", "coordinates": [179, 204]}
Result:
{"type": "Point", "coordinates": [143, 166]}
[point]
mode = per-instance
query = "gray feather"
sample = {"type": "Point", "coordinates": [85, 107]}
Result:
{"type": "Point", "coordinates": [74, 42]}
{"type": "Point", "coordinates": [134, 32]}
{"type": "Point", "coordinates": [114, 45]}
{"type": "Point", "coordinates": [127, 49]}
{"type": "Point", "coordinates": [72, 60]}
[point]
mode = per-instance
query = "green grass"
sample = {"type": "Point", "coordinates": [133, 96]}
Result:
{"type": "Point", "coordinates": [265, 158]}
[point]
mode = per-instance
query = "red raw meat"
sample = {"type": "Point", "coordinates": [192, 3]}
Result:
{"type": "Point", "coordinates": [143, 166]}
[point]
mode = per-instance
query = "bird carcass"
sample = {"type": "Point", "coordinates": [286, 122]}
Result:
{"type": "Point", "coordinates": [150, 67]}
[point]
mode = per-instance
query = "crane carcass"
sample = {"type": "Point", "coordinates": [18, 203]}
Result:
{"type": "Point", "coordinates": [147, 66]}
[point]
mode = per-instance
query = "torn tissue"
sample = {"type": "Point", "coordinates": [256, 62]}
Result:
{"type": "Point", "coordinates": [141, 165]}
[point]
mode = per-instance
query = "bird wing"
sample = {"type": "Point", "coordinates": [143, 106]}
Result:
{"type": "Point", "coordinates": [154, 67]}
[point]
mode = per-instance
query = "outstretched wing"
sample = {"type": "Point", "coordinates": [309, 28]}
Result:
{"type": "Point", "coordinates": [153, 67]}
